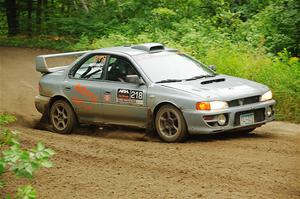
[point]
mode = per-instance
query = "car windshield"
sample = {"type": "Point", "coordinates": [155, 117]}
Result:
{"type": "Point", "coordinates": [171, 67]}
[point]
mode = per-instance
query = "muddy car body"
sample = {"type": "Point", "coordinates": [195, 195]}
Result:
{"type": "Point", "coordinates": [147, 86]}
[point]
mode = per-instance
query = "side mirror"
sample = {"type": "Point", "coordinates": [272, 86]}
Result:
{"type": "Point", "coordinates": [135, 79]}
{"type": "Point", "coordinates": [212, 67]}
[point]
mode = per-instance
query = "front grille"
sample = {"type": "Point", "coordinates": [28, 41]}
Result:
{"type": "Point", "coordinates": [259, 115]}
{"type": "Point", "coordinates": [243, 101]}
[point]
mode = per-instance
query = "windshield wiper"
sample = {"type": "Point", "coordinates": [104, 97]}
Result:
{"type": "Point", "coordinates": [169, 80]}
{"type": "Point", "coordinates": [199, 77]}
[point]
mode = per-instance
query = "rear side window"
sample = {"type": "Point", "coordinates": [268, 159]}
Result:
{"type": "Point", "coordinates": [92, 68]}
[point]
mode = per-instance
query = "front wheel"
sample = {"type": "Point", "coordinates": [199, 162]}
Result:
{"type": "Point", "coordinates": [170, 124]}
{"type": "Point", "coordinates": [62, 117]}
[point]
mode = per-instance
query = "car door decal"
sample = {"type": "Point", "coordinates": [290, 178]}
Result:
{"type": "Point", "coordinates": [130, 96]}
{"type": "Point", "coordinates": [85, 95]}
{"type": "Point", "coordinates": [84, 91]}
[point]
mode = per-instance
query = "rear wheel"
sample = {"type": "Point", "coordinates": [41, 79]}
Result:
{"type": "Point", "coordinates": [62, 117]}
{"type": "Point", "coordinates": [170, 124]}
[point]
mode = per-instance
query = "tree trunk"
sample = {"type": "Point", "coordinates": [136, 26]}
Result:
{"type": "Point", "coordinates": [11, 15]}
{"type": "Point", "coordinates": [84, 4]}
{"type": "Point", "coordinates": [39, 15]}
{"type": "Point", "coordinates": [29, 17]}
{"type": "Point", "coordinates": [46, 10]}
{"type": "Point", "coordinates": [75, 5]}
{"type": "Point", "coordinates": [62, 8]}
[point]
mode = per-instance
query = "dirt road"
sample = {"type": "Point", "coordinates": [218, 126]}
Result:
{"type": "Point", "coordinates": [118, 163]}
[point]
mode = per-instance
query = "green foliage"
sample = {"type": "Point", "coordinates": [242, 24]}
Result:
{"type": "Point", "coordinates": [53, 42]}
{"type": "Point", "coordinates": [8, 137]}
{"type": "Point", "coordinates": [163, 16]}
{"type": "Point", "coordinates": [26, 192]}
{"type": "Point", "coordinates": [276, 26]}
{"type": "Point", "coordinates": [3, 24]}
{"type": "Point", "coordinates": [82, 43]}
{"type": "Point", "coordinates": [270, 24]}
{"type": "Point", "coordinates": [21, 162]}
{"type": "Point", "coordinates": [5, 119]}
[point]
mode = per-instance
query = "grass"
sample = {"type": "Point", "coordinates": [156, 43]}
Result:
{"type": "Point", "coordinates": [6, 119]}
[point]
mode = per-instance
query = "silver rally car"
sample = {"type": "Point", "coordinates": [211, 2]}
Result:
{"type": "Point", "coordinates": [149, 86]}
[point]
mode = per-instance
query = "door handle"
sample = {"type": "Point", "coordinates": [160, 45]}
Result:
{"type": "Point", "coordinates": [68, 88]}
{"type": "Point", "coordinates": [107, 92]}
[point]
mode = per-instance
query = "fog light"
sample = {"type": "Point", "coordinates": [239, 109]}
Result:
{"type": "Point", "coordinates": [222, 120]}
{"type": "Point", "coordinates": [269, 111]}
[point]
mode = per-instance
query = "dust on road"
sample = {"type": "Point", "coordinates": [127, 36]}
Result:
{"type": "Point", "coordinates": [118, 163]}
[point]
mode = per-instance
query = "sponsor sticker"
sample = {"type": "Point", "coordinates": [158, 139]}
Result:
{"type": "Point", "coordinates": [130, 96]}
{"type": "Point", "coordinates": [107, 97]}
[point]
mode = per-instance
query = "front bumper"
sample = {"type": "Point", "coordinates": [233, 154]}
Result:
{"type": "Point", "coordinates": [41, 103]}
{"type": "Point", "coordinates": [197, 125]}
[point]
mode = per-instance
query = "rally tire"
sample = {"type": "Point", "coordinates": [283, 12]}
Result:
{"type": "Point", "coordinates": [170, 124]}
{"type": "Point", "coordinates": [62, 117]}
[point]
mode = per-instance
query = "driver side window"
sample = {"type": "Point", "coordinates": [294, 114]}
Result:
{"type": "Point", "coordinates": [120, 70]}
{"type": "Point", "coordinates": [91, 68]}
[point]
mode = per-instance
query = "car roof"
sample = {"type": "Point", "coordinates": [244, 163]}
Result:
{"type": "Point", "coordinates": [138, 49]}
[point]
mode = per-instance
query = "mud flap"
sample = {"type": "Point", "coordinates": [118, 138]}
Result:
{"type": "Point", "coordinates": [150, 129]}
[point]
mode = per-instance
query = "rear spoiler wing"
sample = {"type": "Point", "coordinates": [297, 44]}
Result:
{"type": "Point", "coordinates": [41, 65]}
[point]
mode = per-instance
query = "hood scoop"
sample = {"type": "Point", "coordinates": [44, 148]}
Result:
{"type": "Point", "coordinates": [213, 80]}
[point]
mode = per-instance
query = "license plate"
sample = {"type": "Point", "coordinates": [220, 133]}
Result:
{"type": "Point", "coordinates": [246, 119]}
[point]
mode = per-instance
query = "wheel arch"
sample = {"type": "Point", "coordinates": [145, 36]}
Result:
{"type": "Point", "coordinates": [60, 97]}
{"type": "Point", "coordinates": [158, 106]}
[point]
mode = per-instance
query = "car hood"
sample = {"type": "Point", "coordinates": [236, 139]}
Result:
{"type": "Point", "coordinates": [220, 87]}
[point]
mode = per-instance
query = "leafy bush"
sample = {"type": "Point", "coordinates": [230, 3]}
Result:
{"type": "Point", "coordinates": [276, 27]}
{"type": "Point", "coordinates": [21, 162]}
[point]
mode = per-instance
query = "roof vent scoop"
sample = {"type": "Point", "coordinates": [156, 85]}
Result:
{"type": "Point", "coordinates": [149, 47]}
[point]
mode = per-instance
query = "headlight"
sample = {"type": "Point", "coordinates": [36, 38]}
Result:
{"type": "Point", "coordinates": [215, 105]}
{"type": "Point", "coordinates": [267, 96]}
